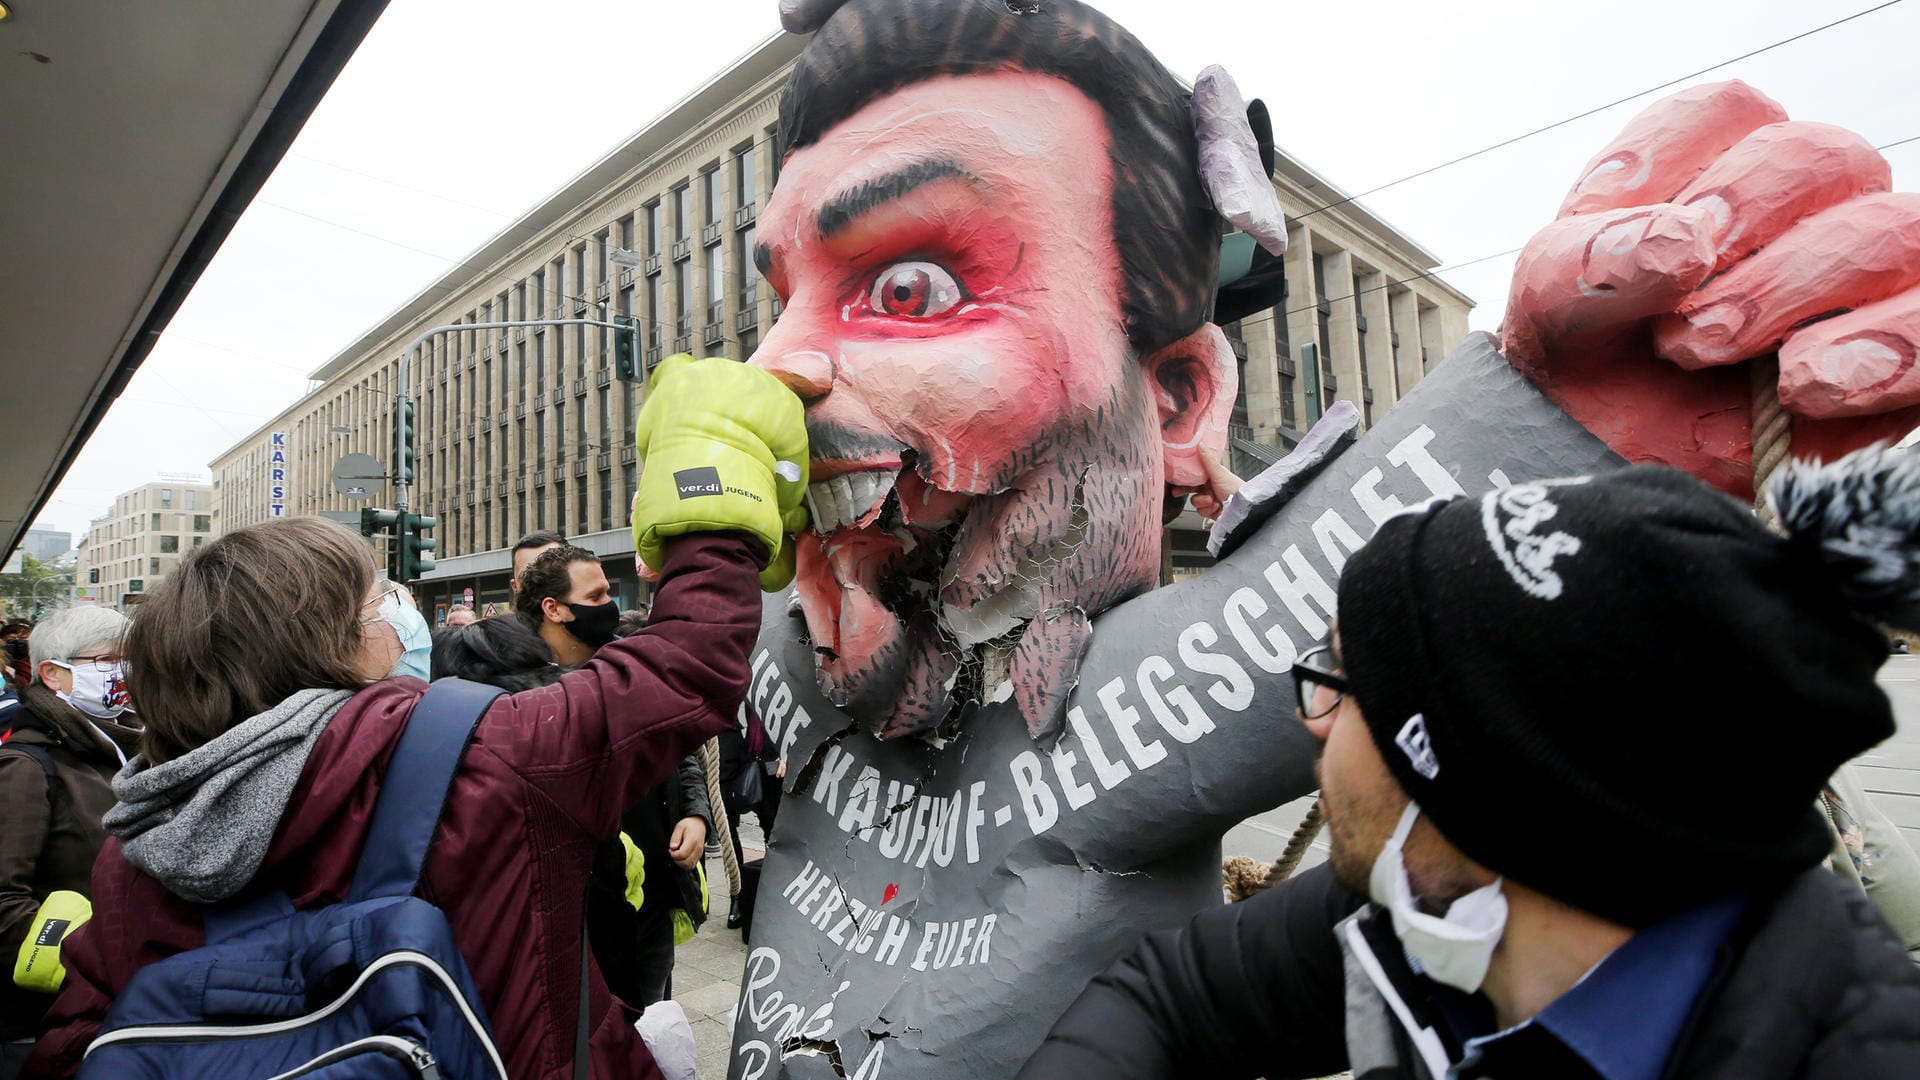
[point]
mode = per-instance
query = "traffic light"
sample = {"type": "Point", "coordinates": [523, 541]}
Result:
{"type": "Point", "coordinates": [416, 556]}
{"type": "Point", "coordinates": [626, 348]}
{"type": "Point", "coordinates": [403, 441]}
{"type": "Point", "coordinates": [374, 522]}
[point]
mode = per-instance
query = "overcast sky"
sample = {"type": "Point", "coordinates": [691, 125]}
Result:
{"type": "Point", "coordinates": [457, 115]}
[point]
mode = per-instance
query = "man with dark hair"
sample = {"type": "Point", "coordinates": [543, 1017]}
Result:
{"type": "Point", "coordinates": [529, 548]}
{"type": "Point", "coordinates": [564, 597]}
{"type": "Point", "coordinates": [1071, 376]}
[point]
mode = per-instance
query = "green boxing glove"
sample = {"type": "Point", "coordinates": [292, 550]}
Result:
{"type": "Point", "coordinates": [722, 447]}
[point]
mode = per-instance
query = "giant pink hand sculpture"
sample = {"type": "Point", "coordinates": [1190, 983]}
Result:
{"type": "Point", "coordinates": [1712, 231]}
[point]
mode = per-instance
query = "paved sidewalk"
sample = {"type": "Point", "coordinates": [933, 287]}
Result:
{"type": "Point", "coordinates": [706, 970]}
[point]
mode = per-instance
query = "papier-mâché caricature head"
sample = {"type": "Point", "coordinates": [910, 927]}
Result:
{"type": "Point", "coordinates": [998, 262]}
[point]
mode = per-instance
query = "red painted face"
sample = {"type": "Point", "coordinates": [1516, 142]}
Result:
{"type": "Point", "coordinates": [984, 440]}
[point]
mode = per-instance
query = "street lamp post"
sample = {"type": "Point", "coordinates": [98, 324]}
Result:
{"type": "Point", "coordinates": [35, 594]}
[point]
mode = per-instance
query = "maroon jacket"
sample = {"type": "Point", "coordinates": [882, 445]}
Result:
{"type": "Point", "coordinates": [545, 779]}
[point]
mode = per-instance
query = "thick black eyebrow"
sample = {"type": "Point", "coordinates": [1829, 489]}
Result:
{"type": "Point", "coordinates": [845, 208]}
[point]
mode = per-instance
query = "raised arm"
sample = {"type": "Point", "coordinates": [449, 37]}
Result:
{"type": "Point", "coordinates": [723, 455]}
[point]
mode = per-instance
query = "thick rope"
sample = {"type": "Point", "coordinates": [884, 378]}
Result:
{"type": "Point", "coordinates": [1772, 442]}
{"type": "Point", "coordinates": [1289, 860]}
{"type": "Point", "coordinates": [1772, 434]}
{"type": "Point", "coordinates": [722, 829]}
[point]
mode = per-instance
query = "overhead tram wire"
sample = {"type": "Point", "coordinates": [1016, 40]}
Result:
{"type": "Point", "coordinates": [1599, 108]}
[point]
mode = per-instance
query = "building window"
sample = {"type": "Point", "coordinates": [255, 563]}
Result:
{"type": "Point", "coordinates": [1325, 309]}
{"type": "Point", "coordinates": [682, 212]}
{"type": "Point", "coordinates": [580, 506]}
{"type": "Point", "coordinates": [166, 498]}
{"type": "Point", "coordinates": [136, 585]}
{"type": "Point", "coordinates": [654, 314]}
{"type": "Point", "coordinates": [1283, 351]}
{"type": "Point", "coordinates": [653, 228]}
{"type": "Point", "coordinates": [716, 285]}
{"type": "Point", "coordinates": [198, 540]}
{"type": "Point", "coordinates": [169, 545]}
{"type": "Point", "coordinates": [710, 192]}
{"type": "Point", "coordinates": [743, 176]}
{"type": "Point", "coordinates": [606, 499]}
{"type": "Point", "coordinates": [153, 566]}
{"type": "Point", "coordinates": [1366, 377]}
{"type": "Point", "coordinates": [193, 503]}
{"type": "Point", "coordinates": [749, 277]}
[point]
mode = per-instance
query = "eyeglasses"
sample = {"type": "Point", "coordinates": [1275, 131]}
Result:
{"type": "Point", "coordinates": [105, 661]}
{"type": "Point", "coordinates": [377, 601]}
{"type": "Point", "coordinates": [1318, 688]}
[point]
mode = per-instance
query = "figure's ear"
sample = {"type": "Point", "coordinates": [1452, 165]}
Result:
{"type": "Point", "coordinates": [1194, 380]}
{"type": "Point", "coordinates": [550, 609]}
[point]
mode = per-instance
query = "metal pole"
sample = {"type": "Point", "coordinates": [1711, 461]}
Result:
{"type": "Point", "coordinates": [400, 399]}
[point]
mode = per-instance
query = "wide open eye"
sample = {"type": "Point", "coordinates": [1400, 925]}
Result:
{"type": "Point", "coordinates": [915, 290]}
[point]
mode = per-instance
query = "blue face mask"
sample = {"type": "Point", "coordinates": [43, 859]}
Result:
{"type": "Point", "coordinates": [415, 638]}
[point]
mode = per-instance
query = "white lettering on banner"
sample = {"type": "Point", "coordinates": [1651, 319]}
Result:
{"type": "Point", "coordinates": [1192, 722]}
{"type": "Point", "coordinates": [782, 728]}
{"type": "Point", "coordinates": [1337, 539]}
{"type": "Point", "coordinates": [1036, 798]}
{"type": "Point", "coordinates": [1234, 690]}
{"type": "Point", "coordinates": [786, 1024]}
{"type": "Point", "coordinates": [1411, 452]}
{"type": "Point", "coordinates": [1126, 719]}
{"type": "Point", "coordinates": [1297, 590]}
{"type": "Point", "coordinates": [1244, 605]}
{"type": "Point", "coordinates": [858, 927]}
{"type": "Point", "coordinates": [1376, 506]}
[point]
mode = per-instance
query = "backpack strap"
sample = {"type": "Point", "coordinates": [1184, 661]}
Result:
{"type": "Point", "coordinates": [407, 813]}
{"type": "Point", "coordinates": [46, 766]}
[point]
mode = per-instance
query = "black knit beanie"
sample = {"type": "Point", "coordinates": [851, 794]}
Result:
{"type": "Point", "coordinates": [1625, 692]}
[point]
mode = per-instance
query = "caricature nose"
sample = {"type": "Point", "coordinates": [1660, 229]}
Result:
{"type": "Point", "coordinates": [806, 372]}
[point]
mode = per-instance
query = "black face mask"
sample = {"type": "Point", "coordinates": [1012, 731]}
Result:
{"type": "Point", "coordinates": [593, 624]}
{"type": "Point", "coordinates": [16, 650]}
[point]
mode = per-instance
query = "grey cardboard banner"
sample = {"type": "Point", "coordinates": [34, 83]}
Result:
{"type": "Point", "coordinates": [928, 911]}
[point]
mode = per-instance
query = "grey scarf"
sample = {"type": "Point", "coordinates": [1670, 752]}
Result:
{"type": "Point", "coordinates": [201, 823]}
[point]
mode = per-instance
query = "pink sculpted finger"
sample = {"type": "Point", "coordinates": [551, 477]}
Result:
{"type": "Point", "coordinates": [1778, 175]}
{"type": "Point", "coordinates": [1863, 250]}
{"type": "Point", "coordinates": [1587, 274]}
{"type": "Point", "coordinates": [1664, 148]}
{"type": "Point", "coordinates": [1856, 364]}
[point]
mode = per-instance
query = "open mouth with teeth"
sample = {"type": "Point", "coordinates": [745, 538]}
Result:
{"type": "Point", "coordinates": [920, 602]}
{"type": "Point", "coordinates": [869, 575]}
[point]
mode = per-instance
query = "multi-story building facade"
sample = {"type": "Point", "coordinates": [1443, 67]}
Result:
{"type": "Point", "coordinates": [526, 428]}
{"type": "Point", "coordinates": [46, 545]}
{"type": "Point", "coordinates": [130, 548]}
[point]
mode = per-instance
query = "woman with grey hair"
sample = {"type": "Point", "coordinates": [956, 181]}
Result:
{"type": "Point", "coordinates": [64, 743]}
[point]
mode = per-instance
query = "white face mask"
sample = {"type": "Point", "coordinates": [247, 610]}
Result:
{"type": "Point", "coordinates": [100, 694]}
{"type": "Point", "coordinates": [1455, 948]}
